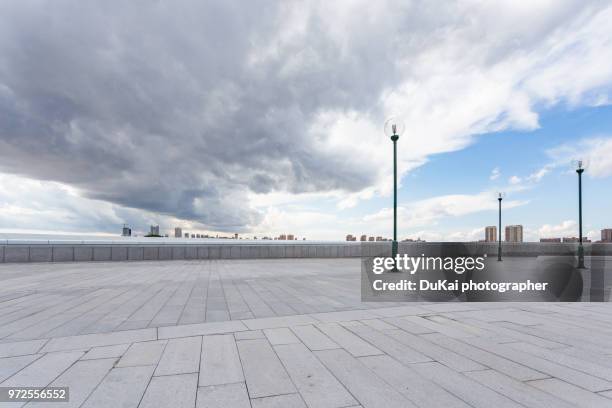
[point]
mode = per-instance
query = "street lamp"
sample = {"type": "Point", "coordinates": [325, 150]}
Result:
{"type": "Point", "coordinates": [394, 127]}
{"type": "Point", "coordinates": [500, 197]}
{"type": "Point", "coordinates": [580, 165]}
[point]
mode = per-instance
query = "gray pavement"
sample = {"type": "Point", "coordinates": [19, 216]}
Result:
{"type": "Point", "coordinates": [286, 333]}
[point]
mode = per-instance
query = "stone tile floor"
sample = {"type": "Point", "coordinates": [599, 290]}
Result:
{"type": "Point", "coordinates": [286, 333]}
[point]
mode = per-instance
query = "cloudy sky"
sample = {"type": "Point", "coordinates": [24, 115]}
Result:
{"type": "Point", "coordinates": [265, 117]}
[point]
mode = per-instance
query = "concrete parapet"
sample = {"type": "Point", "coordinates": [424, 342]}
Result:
{"type": "Point", "coordinates": [135, 254]}
{"type": "Point", "coordinates": [191, 253]}
{"type": "Point", "coordinates": [178, 252]}
{"type": "Point", "coordinates": [203, 253]}
{"type": "Point", "coordinates": [90, 251]}
{"type": "Point", "coordinates": [62, 253]}
{"type": "Point", "coordinates": [119, 253]}
{"type": "Point", "coordinates": [102, 253]}
{"type": "Point", "coordinates": [164, 253]}
{"type": "Point", "coordinates": [18, 253]}
{"type": "Point", "coordinates": [83, 253]}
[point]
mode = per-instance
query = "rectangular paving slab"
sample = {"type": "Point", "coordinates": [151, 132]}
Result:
{"type": "Point", "coordinates": [264, 373]}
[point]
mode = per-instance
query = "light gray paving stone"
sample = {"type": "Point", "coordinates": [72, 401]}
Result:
{"type": "Point", "coordinates": [517, 391]}
{"type": "Point", "coordinates": [316, 384]}
{"type": "Point", "coordinates": [106, 352]}
{"type": "Point", "coordinates": [44, 370]}
{"type": "Point", "coordinates": [201, 329]}
{"type": "Point", "coordinates": [570, 375]}
{"type": "Point", "coordinates": [313, 338]}
{"type": "Point", "coordinates": [445, 329]}
{"type": "Point", "coordinates": [181, 356]}
{"type": "Point", "coordinates": [220, 363]}
{"type": "Point", "coordinates": [362, 383]}
{"type": "Point", "coordinates": [447, 307]}
{"type": "Point", "coordinates": [421, 391]}
{"type": "Point", "coordinates": [569, 335]}
{"type": "Point", "coordinates": [379, 325]}
{"type": "Point", "coordinates": [516, 335]}
{"type": "Point", "coordinates": [333, 317]}
{"type": "Point", "coordinates": [264, 373]}
{"type": "Point", "coordinates": [558, 356]}
{"type": "Point", "coordinates": [349, 341]}
{"type": "Point", "coordinates": [408, 326]}
{"type": "Point", "coordinates": [223, 396]}
{"type": "Point", "coordinates": [11, 365]}
{"type": "Point", "coordinates": [279, 401]}
{"type": "Point", "coordinates": [470, 391]}
{"type": "Point", "coordinates": [350, 323]}
{"type": "Point", "coordinates": [282, 321]}
{"type": "Point", "coordinates": [249, 335]}
{"type": "Point", "coordinates": [21, 348]}
{"type": "Point", "coordinates": [142, 354]}
{"type": "Point", "coordinates": [449, 358]}
{"type": "Point", "coordinates": [468, 329]}
{"type": "Point", "coordinates": [281, 335]}
{"type": "Point", "coordinates": [81, 379]}
{"type": "Point", "coordinates": [99, 339]}
{"type": "Point", "coordinates": [501, 364]}
{"type": "Point", "coordinates": [576, 396]}
{"type": "Point", "coordinates": [386, 343]}
{"type": "Point", "coordinates": [607, 394]}
{"type": "Point", "coordinates": [399, 311]}
{"type": "Point", "coordinates": [176, 391]}
{"type": "Point", "coordinates": [122, 387]}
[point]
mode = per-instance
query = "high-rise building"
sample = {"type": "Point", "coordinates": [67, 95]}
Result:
{"type": "Point", "coordinates": [363, 238]}
{"type": "Point", "coordinates": [491, 233]}
{"type": "Point", "coordinates": [371, 239]}
{"type": "Point", "coordinates": [154, 230]}
{"type": "Point", "coordinates": [127, 231]}
{"type": "Point", "coordinates": [550, 239]}
{"type": "Point", "coordinates": [178, 232]}
{"type": "Point", "coordinates": [514, 233]}
{"type": "Point", "coordinates": [282, 237]}
{"type": "Point", "coordinates": [290, 237]}
{"type": "Point", "coordinates": [350, 237]}
{"type": "Point", "coordinates": [186, 235]}
{"type": "Point", "coordinates": [606, 235]}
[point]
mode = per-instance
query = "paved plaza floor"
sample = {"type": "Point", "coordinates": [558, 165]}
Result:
{"type": "Point", "coordinates": [286, 333]}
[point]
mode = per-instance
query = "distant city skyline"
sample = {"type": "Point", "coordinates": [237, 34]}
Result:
{"type": "Point", "coordinates": [260, 124]}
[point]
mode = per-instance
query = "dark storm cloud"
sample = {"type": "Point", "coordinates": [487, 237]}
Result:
{"type": "Point", "coordinates": [178, 107]}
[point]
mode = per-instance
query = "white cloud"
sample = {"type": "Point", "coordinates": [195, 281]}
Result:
{"type": "Point", "coordinates": [489, 85]}
{"type": "Point", "coordinates": [34, 206]}
{"type": "Point", "coordinates": [567, 228]}
{"type": "Point", "coordinates": [302, 223]}
{"type": "Point", "coordinates": [430, 211]}
{"type": "Point", "coordinates": [595, 151]}
{"type": "Point", "coordinates": [537, 176]}
{"type": "Point", "coordinates": [514, 180]}
{"type": "Point", "coordinates": [495, 173]}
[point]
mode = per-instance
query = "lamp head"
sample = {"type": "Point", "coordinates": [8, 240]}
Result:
{"type": "Point", "coordinates": [580, 165]}
{"type": "Point", "coordinates": [500, 195]}
{"type": "Point", "coordinates": [394, 127]}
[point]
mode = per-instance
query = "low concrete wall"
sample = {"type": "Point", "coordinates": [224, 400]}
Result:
{"type": "Point", "coordinates": [91, 251]}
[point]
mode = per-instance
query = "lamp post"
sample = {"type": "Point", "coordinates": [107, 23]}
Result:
{"type": "Point", "coordinates": [500, 197]}
{"type": "Point", "coordinates": [394, 127]}
{"type": "Point", "coordinates": [579, 164]}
